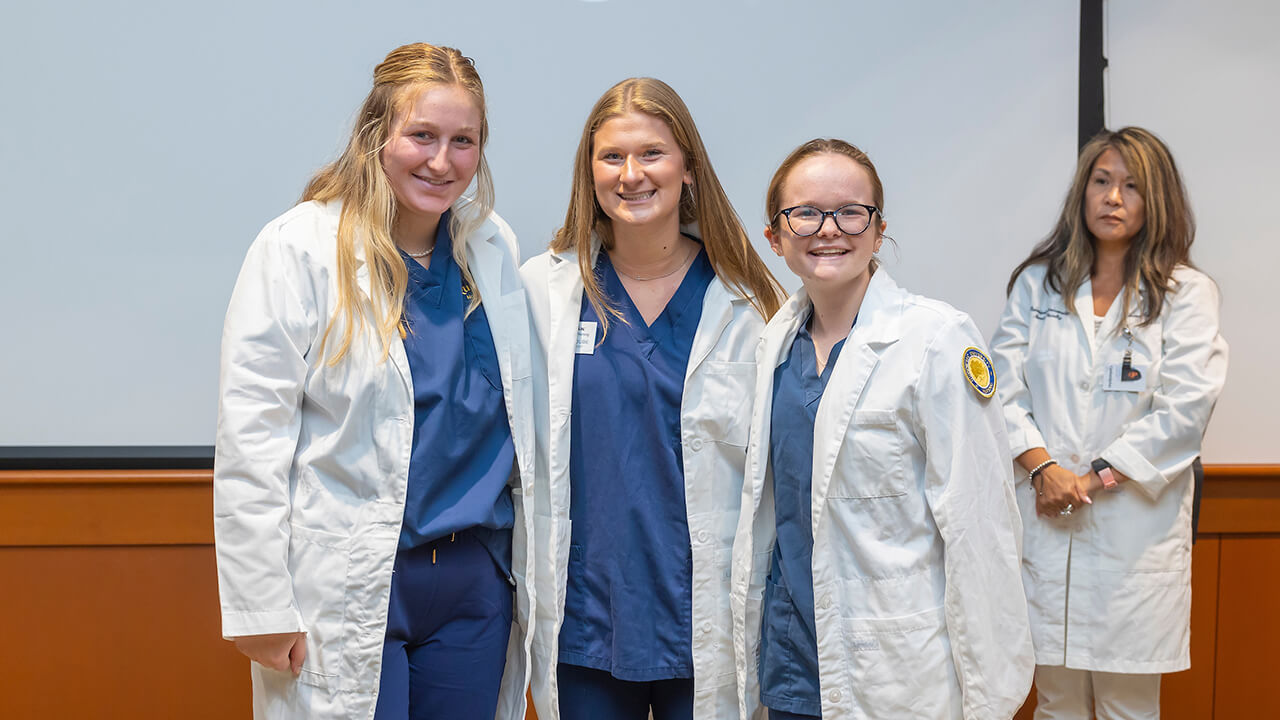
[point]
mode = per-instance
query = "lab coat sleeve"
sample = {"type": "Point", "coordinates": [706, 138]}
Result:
{"type": "Point", "coordinates": [268, 331]}
{"type": "Point", "coordinates": [1158, 446]}
{"type": "Point", "coordinates": [969, 488]}
{"type": "Point", "coordinates": [1009, 347]}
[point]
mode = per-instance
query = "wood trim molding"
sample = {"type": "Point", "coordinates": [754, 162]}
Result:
{"type": "Point", "coordinates": [105, 507]}
{"type": "Point", "coordinates": [1240, 500]}
{"type": "Point", "coordinates": [50, 508]}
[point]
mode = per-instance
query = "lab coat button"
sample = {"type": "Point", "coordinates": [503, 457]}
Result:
{"type": "Point", "coordinates": [1075, 458]}
{"type": "Point", "coordinates": [706, 627]}
{"type": "Point", "coordinates": [1084, 386]}
{"type": "Point", "coordinates": [835, 696]}
{"type": "Point", "coordinates": [703, 536]}
{"type": "Point", "coordinates": [825, 602]}
{"type": "Point", "coordinates": [695, 444]}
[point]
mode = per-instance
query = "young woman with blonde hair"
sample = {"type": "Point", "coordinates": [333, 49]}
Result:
{"type": "Point", "coordinates": [1110, 363]}
{"type": "Point", "coordinates": [374, 424]}
{"type": "Point", "coordinates": [875, 570]}
{"type": "Point", "coordinates": [648, 307]}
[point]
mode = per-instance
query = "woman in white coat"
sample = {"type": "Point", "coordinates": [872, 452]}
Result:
{"type": "Point", "coordinates": [1110, 363]}
{"type": "Point", "coordinates": [875, 570]}
{"type": "Point", "coordinates": [648, 307]}
{"type": "Point", "coordinates": [375, 428]}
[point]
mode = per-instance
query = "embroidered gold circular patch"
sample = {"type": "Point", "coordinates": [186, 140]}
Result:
{"type": "Point", "coordinates": [979, 371]}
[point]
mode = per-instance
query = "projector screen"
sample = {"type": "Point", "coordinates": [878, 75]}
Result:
{"type": "Point", "coordinates": [1204, 78]}
{"type": "Point", "coordinates": [146, 146]}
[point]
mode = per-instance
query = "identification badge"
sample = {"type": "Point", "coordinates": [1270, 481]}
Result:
{"type": "Point", "coordinates": [586, 344]}
{"type": "Point", "coordinates": [1124, 377]}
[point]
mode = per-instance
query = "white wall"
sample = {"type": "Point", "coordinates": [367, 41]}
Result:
{"type": "Point", "coordinates": [145, 147]}
{"type": "Point", "coordinates": [1205, 77]}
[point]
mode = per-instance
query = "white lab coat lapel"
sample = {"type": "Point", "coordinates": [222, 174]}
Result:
{"type": "Point", "coordinates": [1084, 315]}
{"type": "Point", "coordinates": [877, 326]}
{"type": "Point", "coordinates": [396, 351]}
{"type": "Point", "coordinates": [507, 314]}
{"type": "Point", "coordinates": [717, 311]}
{"type": "Point", "coordinates": [565, 307]}
{"type": "Point", "coordinates": [774, 346]}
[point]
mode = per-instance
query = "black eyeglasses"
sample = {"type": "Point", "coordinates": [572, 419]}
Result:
{"type": "Point", "coordinates": [806, 220]}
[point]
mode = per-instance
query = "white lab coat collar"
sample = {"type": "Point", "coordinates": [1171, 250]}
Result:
{"type": "Point", "coordinates": [878, 326]}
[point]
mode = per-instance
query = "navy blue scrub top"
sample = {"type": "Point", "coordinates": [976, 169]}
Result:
{"type": "Point", "coordinates": [789, 639]}
{"type": "Point", "coordinates": [462, 454]}
{"type": "Point", "coordinates": [628, 605]}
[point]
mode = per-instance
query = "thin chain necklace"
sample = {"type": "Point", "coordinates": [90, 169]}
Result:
{"type": "Point", "coordinates": [422, 254]}
{"type": "Point", "coordinates": [692, 252]}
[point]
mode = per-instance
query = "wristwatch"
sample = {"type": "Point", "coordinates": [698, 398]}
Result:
{"type": "Point", "coordinates": [1103, 468]}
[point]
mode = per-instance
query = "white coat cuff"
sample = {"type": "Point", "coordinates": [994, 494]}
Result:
{"type": "Point", "coordinates": [1141, 472]}
{"type": "Point", "coordinates": [1021, 441]}
{"type": "Point", "coordinates": [237, 624]}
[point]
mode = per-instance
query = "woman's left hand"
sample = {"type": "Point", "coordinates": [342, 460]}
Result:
{"type": "Point", "coordinates": [1060, 489]}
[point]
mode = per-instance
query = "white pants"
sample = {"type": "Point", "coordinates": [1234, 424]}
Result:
{"type": "Point", "coordinates": [1064, 694]}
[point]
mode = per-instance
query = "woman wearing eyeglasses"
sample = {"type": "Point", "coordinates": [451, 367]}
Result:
{"type": "Point", "coordinates": [1111, 362]}
{"type": "Point", "coordinates": [876, 565]}
{"type": "Point", "coordinates": [649, 305]}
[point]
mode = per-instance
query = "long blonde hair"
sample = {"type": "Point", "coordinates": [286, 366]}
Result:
{"type": "Point", "coordinates": [728, 249]}
{"type": "Point", "coordinates": [1163, 243]}
{"type": "Point", "coordinates": [357, 180]}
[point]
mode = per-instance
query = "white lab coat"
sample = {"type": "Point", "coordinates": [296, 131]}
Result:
{"type": "Point", "coordinates": [713, 418]}
{"type": "Point", "coordinates": [312, 464]}
{"type": "Point", "coordinates": [918, 602]}
{"type": "Point", "coordinates": [1109, 588]}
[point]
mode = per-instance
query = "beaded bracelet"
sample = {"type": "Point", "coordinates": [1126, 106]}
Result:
{"type": "Point", "coordinates": [1031, 477]}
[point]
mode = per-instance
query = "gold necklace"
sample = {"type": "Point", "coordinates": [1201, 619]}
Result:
{"type": "Point", "coordinates": [692, 252]}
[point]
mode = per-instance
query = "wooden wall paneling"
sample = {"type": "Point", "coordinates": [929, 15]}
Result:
{"type": "Point", "coordinates": [106, 507]}
{"type": "Point", "coordinates": [1188, 695]}
{"type": "Point", "coordinates": [1241, 499]}
{"type": "Point", "coordinates": [1248, 629]}
{"type": "Point", "coordinates": [110, 603]}
{"type": "Point", "coordinates": [116, 632]}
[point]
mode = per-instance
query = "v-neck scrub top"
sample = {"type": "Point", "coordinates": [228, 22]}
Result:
{"type": "Point", "coordinates": [628, 609]}
{"type": "Point", "coordinates": [462, 454]}
{"type": "Point", "coordinates": [789, 638]}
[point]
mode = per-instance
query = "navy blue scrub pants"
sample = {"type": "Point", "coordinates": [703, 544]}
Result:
{"type": "Point", "coordinates": [447, 630]}
{"type": "Point", "coordinates": [588, 694]}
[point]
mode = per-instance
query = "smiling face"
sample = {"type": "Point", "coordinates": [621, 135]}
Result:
{"type": "Point", "coordinates": [1114, 210]}
{"type": "Point", "coordinates": [828, 258]}
{"type": "Point", "coordinates": [638, 171]}
{"type": "Point", "coordinates": [432, 155]}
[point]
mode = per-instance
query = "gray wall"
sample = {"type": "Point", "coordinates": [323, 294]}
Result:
{"type": "Point", "coordinates": [145, 146]}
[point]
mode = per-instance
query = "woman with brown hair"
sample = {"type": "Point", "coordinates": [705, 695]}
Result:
{"type": "Point", "coordinates": [875, 571]}
{"type": "Point", "coordinates": [375, 424]}
{"type": "Point", "coordinates": [648, 307]}
{"type": "Point", "coordinates": [1110, 362]}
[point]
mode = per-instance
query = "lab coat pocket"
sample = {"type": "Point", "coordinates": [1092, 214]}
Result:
{"type": "Point", "coordinates": [318, 562]}
{"type": "Point", "coordinates": [870, 463]}
{"type": "Point", "coordinates": [902, 665]}
{"type": "Point", "coordinates": [724, 410]}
